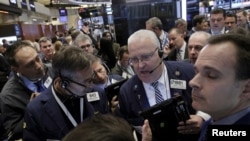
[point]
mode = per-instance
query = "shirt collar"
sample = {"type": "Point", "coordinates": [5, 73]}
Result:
{"type": "Point", "coordinates": [28, 83]}
{"type": "Point", "coordinates": [162, 36]}
{"type": "Point", "coordinates": [232, 118]}
{"type": "Point", "coordinates": [221, 32]}
{"type": "Point", "coordinates": [182, 49]}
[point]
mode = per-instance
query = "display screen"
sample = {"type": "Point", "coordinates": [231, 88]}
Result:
{"type": "Point", "coordinates": [225, 4]}
{"type": "Point", "coordinates": [32, 5]}
{"type": "Point", "coordinates": [239, 4]}
{"type": "Point", "coordinates": [10, 39]}
{"type": "Point", "coordinates": [13, 2]}
{"type": "Point", "coordinates": [24, 4]}
{"type": "Point", "coordinates": [63, 12]}
{"type": "Point", "coordinates": [192, 5]}
{"type": "Point", "coordinates": [63, 19]}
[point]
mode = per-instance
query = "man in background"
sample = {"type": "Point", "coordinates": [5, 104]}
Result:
{"type": "Point", "coordinates": [196, 42]}
{"type": "Point", "coordinates": [84, 42]}
{"type": "Point", "coordinates": [217, 21]}
{"type": "Point", "coordinates": [182, 25]}
{"type": "Point", "coordinates": [46, 49]}
{"type": "Point", "coordinates": [86, 30]}
{"type": "Point", "coordinates": [231, 21]}
{"type": "Point", "coordinates": [122, 67]}
{"type": "Point", "coordinates": [30, 78]}
{"type": "Point", "coordinates": [198, 25]}
{"type": "Point", "coordinates": [154, 24]}
{"type": "Point", "coordinates": [242, 19]}
{"type": "Point", "coordinates": [177, 45]}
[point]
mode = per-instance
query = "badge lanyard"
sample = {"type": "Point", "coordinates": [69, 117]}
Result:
{"type": "Point", "coordinates": [66, 111]}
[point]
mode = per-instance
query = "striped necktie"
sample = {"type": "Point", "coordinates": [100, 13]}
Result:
{"type": "Point", "coordinates": [178, 55]}
{"type": "Point", "coordinates": [158, 95]}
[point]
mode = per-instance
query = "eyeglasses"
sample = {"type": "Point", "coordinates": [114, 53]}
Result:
{"type": "Point", "coordinates": [143, 58]}
{"type": "Point", "coordinates": [86, 46]}
{"type": "Point", "coordinates": [88, 82]}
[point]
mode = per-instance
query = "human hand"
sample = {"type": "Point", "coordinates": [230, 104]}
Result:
{"type": "Point", "coordinates": [146, 131]}
{"type": "Point", "coordinates": [34, 95]}
{"type": "Point", "coordinates": [114, 103]}
{"type": "Point", "coordinates": [167, 49]}
{"type": "Point", "coordinates": [191, 126]}
{"type": "Point", "coordinates": [85, 29]}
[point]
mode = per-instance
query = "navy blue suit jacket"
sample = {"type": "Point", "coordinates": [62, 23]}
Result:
{"type": "Point", "coordinates": [133, 99]}
{"type": "Point", "coordinates": [44, 119]}
{"type": "Point", "coordinates": [245, 120]}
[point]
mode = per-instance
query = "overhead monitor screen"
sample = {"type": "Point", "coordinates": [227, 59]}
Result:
{"type": "Point", "coordinates": [225, 4]}
{"type": "Point", "coordinates": [239, 4]}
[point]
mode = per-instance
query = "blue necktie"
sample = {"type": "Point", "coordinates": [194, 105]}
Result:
{"type": "Point", "coordinates": [39, 86]}
{"type": "Point", "coordinates": [158, 95]}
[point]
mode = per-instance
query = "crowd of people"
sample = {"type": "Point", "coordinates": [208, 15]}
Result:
{"type": "Point", "coordinates": [54, 89]}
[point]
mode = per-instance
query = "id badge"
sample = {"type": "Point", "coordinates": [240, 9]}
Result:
{"type": "Point", "coordinates": [93, 96]}
{"type": "Point", "coordinates": [178, 84]}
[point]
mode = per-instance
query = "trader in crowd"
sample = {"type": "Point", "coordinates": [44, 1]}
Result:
{"type": "Point", "coordinates": [221, 87]}
{"type": "Point", "coordinates": [29, 78]}
{"type": "Point", "coordinates": [154, 82]}
{"type": "Point", "coordinates": [69, 101]}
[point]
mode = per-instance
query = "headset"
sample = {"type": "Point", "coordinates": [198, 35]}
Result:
{"type": "Point", "coordinates": [160, 53]}
{"type": "Point", "coordinates": [106, 67]}
{"type": "Point", "coordinates": [64, 83]}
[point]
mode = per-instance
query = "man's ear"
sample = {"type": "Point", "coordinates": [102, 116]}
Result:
{"type": "Point", "coordinates": [246, 91]}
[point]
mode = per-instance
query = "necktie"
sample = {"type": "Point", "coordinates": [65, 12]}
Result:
{"type": "Point", "coordinates": [39, 86]}
{"type": "Point", "coordinates": [178, 55]}
{"type": "Point", "coordinates": [158, 95]}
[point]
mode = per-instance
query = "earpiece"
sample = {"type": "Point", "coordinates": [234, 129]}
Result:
{"type": "Point", "coordinates": [64, 83]}
{"type": "Point", "coordinates": [160, 52]}
{"type": "Point", "coordinates": [106, 67]}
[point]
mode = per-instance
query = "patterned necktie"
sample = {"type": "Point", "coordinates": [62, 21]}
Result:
{"type": "Point", "coordinates": [178, 55]}
{"type": "Point", "coordinates": [158, 95]}
{"type": "Point", "coordinates": [39, 86]}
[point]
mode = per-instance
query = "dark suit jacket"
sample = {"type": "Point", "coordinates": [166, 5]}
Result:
{"type": "Point", "coordinates": [4, 71]}
{"type": "Point", "coordinates": [44, 118]}
{"type": "Point", "coordinates": [4, 65]}
{"type": "Point", "coordinates": [14, 98]}
{"type": "Point", "coordinates": [173, 54]}
{"type": "Point", "coordinates": [226, 31]}
{"type": "Point", "coordinates": [133, 99]}
{"type": "Point", "coordinates": [245, 120]}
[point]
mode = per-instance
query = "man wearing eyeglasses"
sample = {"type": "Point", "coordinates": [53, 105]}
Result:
{"type": "Point", "coordinates": [85, 43]}
{"type": "Point", "coordinates": [141, 92]}
{"type": "Point", "coordinates": [70, 100]}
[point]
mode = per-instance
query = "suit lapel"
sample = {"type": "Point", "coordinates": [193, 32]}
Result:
{"type": "Point", "coordinates": [140, 95]}
{"type": "Point", "coordinates": [53, 110]}
{"type": "Point", "coordinates": [172, 75]}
